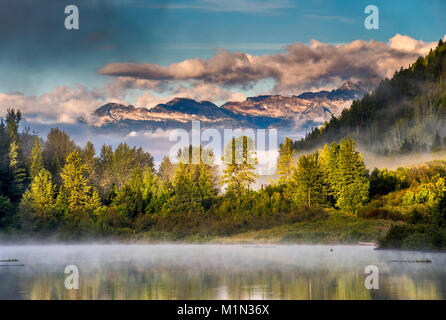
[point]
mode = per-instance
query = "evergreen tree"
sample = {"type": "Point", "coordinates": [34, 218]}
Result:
{"type": "Point", "coordinates": [193, 183]}
{"type": "Point", "coordinates": [240, 160]}
{"type": "Point", "coordinates": [104, 171]}
{"type": "Point", "coordinates": [439, 212]}
{"type": "Point", "coordinates": [167, 169]}
{"type": "Point", "coordinates": [36, 159]}
{"type": "Point", "coordinates": [4, 161]}
{"type": "Point", "coordinates": [40, 197]}
{"type": "Point", "coordinates": [88, 157]}
{"type": "Point", "coordinates": [205, 183]}
{"type": "Point", "coordinates": [352, 183]}
{"type": "Point", "coordinates": [57, 147]}
{"type": "Point", "coordinates": [329, 165]}
{"type": "Point", "coordinates": [7, 212]}
{"type": "Point", "coordinates": [129, 199]}
{"type": "Point", "coordinates": [75, 192]}
{"type": "Point", "coordinates": [185, 191]}
{"type": "Point", "coordinates": [17, 173]}
{"type": "Point", "coordinates": [150, 190]}
{"type": "Point", "coordinates": [143, 159]}
{"type": "Point", "coordinates": [306, 187]}
{"type": "Point", "coordinates": [125, 160]}
{"type": "Point", "coordinates": [286, 161]}
{"type": "Point", "coordinates": [27, 140]}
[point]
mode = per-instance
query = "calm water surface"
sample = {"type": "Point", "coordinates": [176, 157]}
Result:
{"type": "Point", "coordinates": [218, 272]}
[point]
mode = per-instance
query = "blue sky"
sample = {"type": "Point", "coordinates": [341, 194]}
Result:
{"type": "Point", "coordinates": [146, 52]}
{"type": "Point", "coordinates": [38, 54]}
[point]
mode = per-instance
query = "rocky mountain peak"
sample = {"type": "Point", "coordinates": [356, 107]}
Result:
{"type": "Point", "coordinates": [108, 108]}
{"type": "Point", "coordinates": [350, 85]}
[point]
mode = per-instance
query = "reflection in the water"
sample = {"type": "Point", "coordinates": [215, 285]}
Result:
{"type": "Point", "coordinates": [219, 272]}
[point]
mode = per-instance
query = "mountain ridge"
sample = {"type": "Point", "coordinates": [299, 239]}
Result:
{"type": "Point", "coordinates": [263, 111]}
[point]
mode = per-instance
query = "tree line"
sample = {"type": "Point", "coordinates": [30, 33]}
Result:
{"type": "Point", "coordinates": [54, 186]}
{"type": "Point", "coordinates": [334, 176]}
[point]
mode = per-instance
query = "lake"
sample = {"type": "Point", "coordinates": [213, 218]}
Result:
{"type": "Point", "coordinates": [184, 271]}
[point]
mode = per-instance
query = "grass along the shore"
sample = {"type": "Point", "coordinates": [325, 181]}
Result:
{"type": "Point", "coordinates": [336, 228]}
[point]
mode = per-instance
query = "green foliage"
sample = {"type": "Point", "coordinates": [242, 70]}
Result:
{"type": "Point", "coordinates": [17, 173]}
{"type": "Point", "coordinates": [383, 182]}
{"type": "Point", "coordinates": [57, 147]}
{"type": "Point", "coordinates": [37, 207]}
{"type": "Point", "coordinates": [439, 212]}
{"type": "Point", "coordinates": [104, 173]}
{"type": "Point", "coordinates": [425, 226]}
{"type": "Point", "coordinates": [352, 185]}
{"type": "Point", "coordinates": [36, 159]}
{"type": "Point", "coordinates": [321, 186]}
{"type": "Point", "coordinates": [125, 160]}
{"type": "Point", "coordinates": [336, 173]}
{"type": "Point", "coordinates": [4, 163]}
{"type": "Point", "coordinates": [206, 187]}
{"type": "Point", "coordinates": [40, 196]}
{"type": "Point", "coordinates": [306, 187]}
{"type": "Point", "coordinates": [88, 157]}
{"type": "Point", "coordinates": [240, 159]}
{"type": "Point", "coordinates": [285, 165]}
{"type": "Point", "coordinates": [426, 193]}
{"type": "Point", "coordinates": [167, 169]}
{"type": "Point", "coordinates": [7, 211]}
{"type": "Point", "coordinates": [414, 236]}
{"type": "Point", "coordinates": [186, 193]}
{"type": "Point", "coordinates": [150, 190]}
{"type": "Point", "coordinates": [75, 192]}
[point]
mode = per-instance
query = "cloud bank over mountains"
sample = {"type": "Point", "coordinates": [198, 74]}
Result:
{"type": "Point", "coordinates": [226, 76]}
{"type": "Point", "coordinates": [300, 67]}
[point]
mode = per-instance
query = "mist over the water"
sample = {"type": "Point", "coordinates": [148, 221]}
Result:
{"type": "Point", "coordinates": [184, 271]}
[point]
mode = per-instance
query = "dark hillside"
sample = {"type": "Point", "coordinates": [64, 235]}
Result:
{"type": "Point", "coordinates": [404, 114]}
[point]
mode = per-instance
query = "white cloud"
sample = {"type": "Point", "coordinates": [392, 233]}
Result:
{"type": "Point", "coordinates": [218, 79]}
{"type": "Point", "coordinates": [300, 67]}
{"type": "Point", "coordinates": [62, 105]}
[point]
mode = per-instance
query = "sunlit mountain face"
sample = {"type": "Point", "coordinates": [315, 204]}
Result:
{"type": "Point", "coordinates": [267, 111]}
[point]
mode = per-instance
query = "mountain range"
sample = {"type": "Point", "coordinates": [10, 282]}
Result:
{"type": "Point", "coordinates": [306, 110]}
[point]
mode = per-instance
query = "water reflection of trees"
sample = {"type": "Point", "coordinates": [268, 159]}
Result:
{"type": "Point", "coordinates": [161, 282]}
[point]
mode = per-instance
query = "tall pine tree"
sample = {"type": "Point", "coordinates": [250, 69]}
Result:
{"type": "Point", "coordinates": [286, 163]}
{"type": "Point", "coordinates": [306, 187]}
{"type": "Point", "coordinates": [17, 173]}
{"type": "Point", "coordinates": [36, 159]}
{"type": "Point", "coordinates": [352, 183]}
{"type": "Point", "coordinates": [240, 160]}
{"type": "Point", "coordinates": [76, 193]}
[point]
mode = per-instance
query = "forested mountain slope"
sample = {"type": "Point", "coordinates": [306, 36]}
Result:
{"type": "Point", "coordinates": [404, 114]}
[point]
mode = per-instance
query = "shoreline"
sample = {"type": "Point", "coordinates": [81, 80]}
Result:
{"type": "Point", "coordinates": [109, 242]}
{"type": "Point", "coordinates": [334, 229]}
